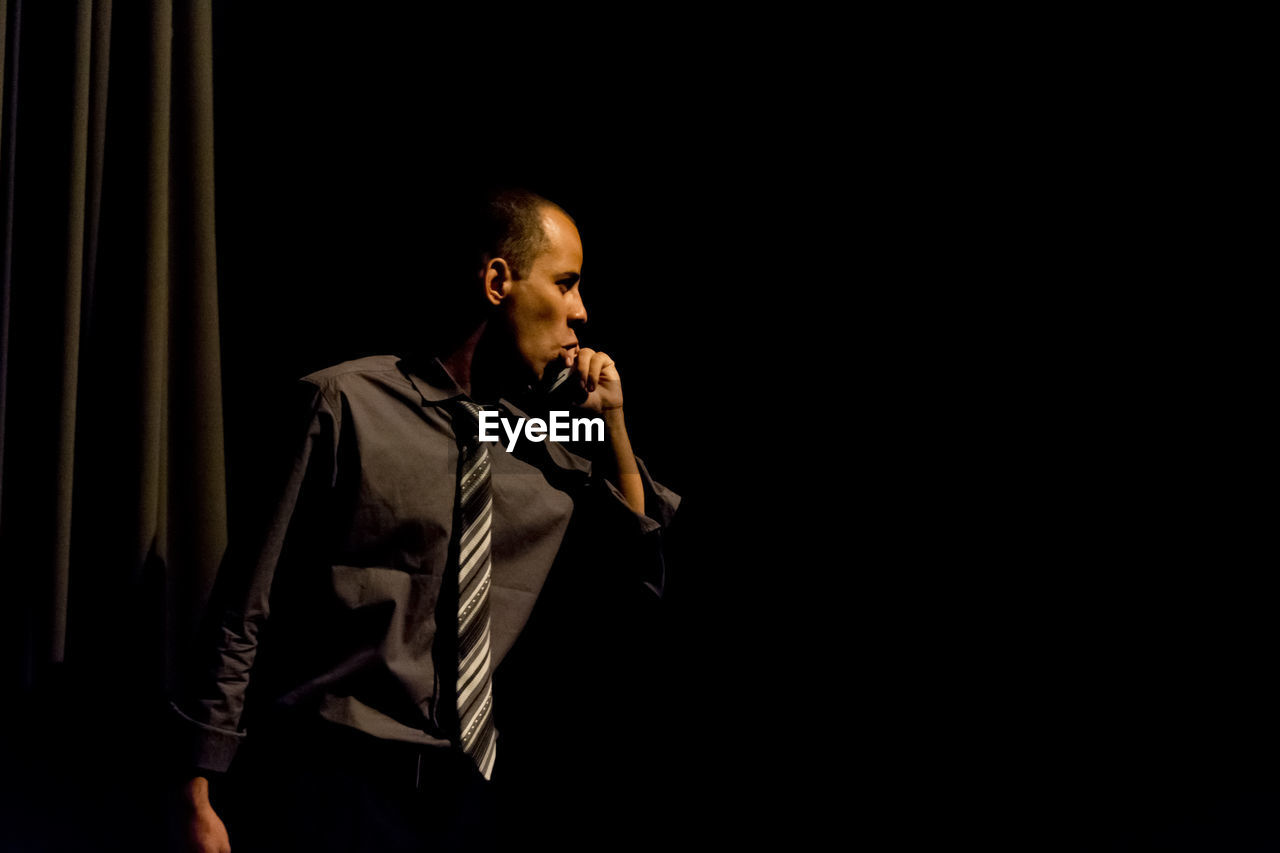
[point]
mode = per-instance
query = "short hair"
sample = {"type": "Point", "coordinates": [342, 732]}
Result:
{"type": "Point", "coordinates": [511, 228]}
{"type": "Point", "coordinates": [462, 229]}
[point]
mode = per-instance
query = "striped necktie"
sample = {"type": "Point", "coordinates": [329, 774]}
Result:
{"type": "Point", "coordinates": [475, 516]}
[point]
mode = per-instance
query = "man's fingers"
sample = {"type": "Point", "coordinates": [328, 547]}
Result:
{"type": "Point", "coordinates": [591, 366]}
{"type": "Point", "coordinates": [598, 363]}
{"type": "Point", "coordinates": [583, 365]}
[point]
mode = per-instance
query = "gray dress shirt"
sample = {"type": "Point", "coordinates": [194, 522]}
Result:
{"type": "Point", "coordinates": [333, 610]}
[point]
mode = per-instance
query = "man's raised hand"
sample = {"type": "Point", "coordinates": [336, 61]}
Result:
{"type": "Point", "coordinates": [599, 376]}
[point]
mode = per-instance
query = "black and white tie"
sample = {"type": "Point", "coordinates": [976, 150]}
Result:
{"type": "Point", "coordinates": [475, 514]}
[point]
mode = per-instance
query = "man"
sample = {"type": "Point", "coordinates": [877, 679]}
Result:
{"type": "Point", "coordinates": [404, 559]}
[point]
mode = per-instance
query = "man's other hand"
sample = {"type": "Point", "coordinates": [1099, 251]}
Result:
{"type": "Point", "coordinates": [203, 831]}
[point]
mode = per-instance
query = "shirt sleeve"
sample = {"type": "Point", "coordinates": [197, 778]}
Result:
{"type": "Point", "coordinates": [635, 540]}
{"type": "Point", "coordinates": [208, 716]}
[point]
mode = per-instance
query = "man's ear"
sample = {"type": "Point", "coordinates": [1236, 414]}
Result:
{"type": "Point", "coordinates": [497, 281]}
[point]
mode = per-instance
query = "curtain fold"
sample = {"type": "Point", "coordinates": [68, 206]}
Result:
{"type": "Point", "coordinates": [196, 504]}
{"type": "Point", "coordinates": [77, 169]}
{"type": "Point", "coordinates": [112, 474]}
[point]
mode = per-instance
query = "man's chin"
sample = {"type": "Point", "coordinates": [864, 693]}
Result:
{"type": "Point", "coordinates": [536, 371]}
{"type": "Point", "coordinates": [556, 363]}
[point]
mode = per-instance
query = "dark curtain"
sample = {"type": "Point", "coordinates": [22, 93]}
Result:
{"type": "Point", "coordinates": [112, 500]}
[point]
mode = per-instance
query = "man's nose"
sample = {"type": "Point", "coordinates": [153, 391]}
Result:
{"type": "Point", "coordinates": [577, 310]}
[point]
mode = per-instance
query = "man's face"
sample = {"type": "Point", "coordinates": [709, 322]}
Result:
{"type": "Point", "coordinates": [544, 309]}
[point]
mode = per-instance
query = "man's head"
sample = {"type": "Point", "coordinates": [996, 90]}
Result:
{"type": "Point", "coordinates": [530, 268]}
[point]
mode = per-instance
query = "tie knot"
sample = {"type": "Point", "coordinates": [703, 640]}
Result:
{"type": "Point", "coordinates": [466, 418]}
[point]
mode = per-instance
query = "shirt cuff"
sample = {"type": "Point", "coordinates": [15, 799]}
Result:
{"type": "Point", "coordinates": [641, 535]}
{"type": "Point", "coordinates": [205, 747]}
{"type": "Point", "coordinates": [660, 503]}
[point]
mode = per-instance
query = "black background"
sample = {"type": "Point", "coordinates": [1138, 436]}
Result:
{"type": "Point", "coordinates": [965, 547]}
{"type": "Point", "coordinates": [969, 545]}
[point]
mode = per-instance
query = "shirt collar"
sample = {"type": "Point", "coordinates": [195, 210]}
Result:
{"type": "Point", "coordinates": [431, 379]}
